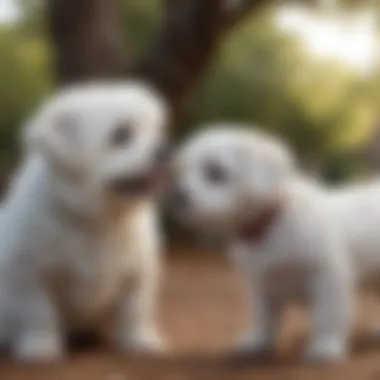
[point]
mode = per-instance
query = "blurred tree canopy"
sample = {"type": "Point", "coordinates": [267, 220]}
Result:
{"type": "Point", "coordinates": [25, 80]}
{"type": "Point", "coordinates": [262, 76]}
{"type": "Point", "coordinates": [268, 78]}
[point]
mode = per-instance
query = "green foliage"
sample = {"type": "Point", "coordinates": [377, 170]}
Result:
{"type": "Point", "coordinates": [25, 80]}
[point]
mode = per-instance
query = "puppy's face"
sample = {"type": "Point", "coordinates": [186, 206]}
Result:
{"type": "Point", "coordinates": [110, 137]}
{"type": "Point", "coordinates": [221, 176]}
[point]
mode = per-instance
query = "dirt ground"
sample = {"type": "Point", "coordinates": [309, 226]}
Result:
{"type": "Point", "coordinates": [202, 310]}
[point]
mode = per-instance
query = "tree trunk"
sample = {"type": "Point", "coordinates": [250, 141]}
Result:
{"type": "Point", "coordinates": [87, 39]}
{"type": "Point", "coordinates": [192, 30]}
{"type": "Point", "coordinates": [87, 36]}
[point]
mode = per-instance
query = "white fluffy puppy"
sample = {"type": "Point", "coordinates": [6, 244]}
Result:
{"type": "Point", "coordinates": [79, 243]}
{"type": "Point", "coordinates": [284, 230]}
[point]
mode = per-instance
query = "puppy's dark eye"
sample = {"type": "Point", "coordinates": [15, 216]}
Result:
{"type": "Point", "coordinates": [122, 135]}
{"type": "Point", "coordinates": [215, 174]}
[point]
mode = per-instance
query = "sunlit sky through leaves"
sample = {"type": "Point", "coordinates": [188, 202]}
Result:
{"type": "Point", "coordinates": [350, 39]}
{"type": "Point", "coordinates": [8, 10]}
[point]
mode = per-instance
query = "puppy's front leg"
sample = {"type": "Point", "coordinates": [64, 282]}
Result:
{"type": "Point", "coordinates": [333, 303]}
{"type": "Point", "coordinates": [38, 336]}
{"type": "Point", "coordinates": [136, 327]}
{"type": "Point", "coordinates": [266, 312]}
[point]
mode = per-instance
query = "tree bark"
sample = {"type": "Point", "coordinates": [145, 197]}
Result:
{"type": "Point", "coordinates": [87, 39]}
{"type": "Point", "coordinates": [192, 30]}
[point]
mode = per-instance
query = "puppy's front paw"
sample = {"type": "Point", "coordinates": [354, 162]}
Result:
{"type": "Point", "coordinates": [39, 347]}
{"type": "Point", "coordinates": [326, 351]}
{"type": "Point", "coordinates": [147, 341]}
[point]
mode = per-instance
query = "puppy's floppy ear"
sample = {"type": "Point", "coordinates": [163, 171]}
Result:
{"type": "Point", "coordinates": [58, 136]}
{"type": "Point", "coordinates": [270, 164]}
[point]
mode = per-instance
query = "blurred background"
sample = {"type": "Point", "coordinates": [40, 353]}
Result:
{"type": "Point", "coordinates": [309, 74]}
{"type": "Point", "coordinates": [306, 70]}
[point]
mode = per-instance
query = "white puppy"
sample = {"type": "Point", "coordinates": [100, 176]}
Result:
{"type": "Point", "coordinates": [79, 243]}
{"type": "Point", "coordinates": [286, 231]}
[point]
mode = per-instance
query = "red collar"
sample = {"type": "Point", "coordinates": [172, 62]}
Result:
{"type": "Point", "coordinates": [255, 230]}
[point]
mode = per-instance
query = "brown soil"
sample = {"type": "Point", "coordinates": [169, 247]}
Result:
{"type": "Point", "coordinates": [202, 310]}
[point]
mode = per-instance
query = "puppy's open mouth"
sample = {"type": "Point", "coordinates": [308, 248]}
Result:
{"type": "Point", "coordinates": [144, 184]}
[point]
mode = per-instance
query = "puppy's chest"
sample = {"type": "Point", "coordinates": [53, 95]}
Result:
{"type": "Point", "coordinates": [290, 279]}
{"type": "Point", "coordinates": [284, 272]}
{"type": "Point", "coordinates": [90, 276]}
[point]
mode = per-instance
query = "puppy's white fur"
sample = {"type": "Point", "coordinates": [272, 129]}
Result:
{"type": "Point", "coordinates": [75, 253]}
{"type": "Point", "coordinates": [323, 242]}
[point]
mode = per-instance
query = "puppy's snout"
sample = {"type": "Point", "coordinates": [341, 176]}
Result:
{"type": "Point", "coordinates": [136, 185]}
{"type": "Point", "coordinates": [162, 155]}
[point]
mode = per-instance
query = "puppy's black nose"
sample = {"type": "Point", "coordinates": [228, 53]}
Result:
{"type": "Point", "coordinates": [178, 199]}
{"type": "Point", "coordinates": [162, 154]}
